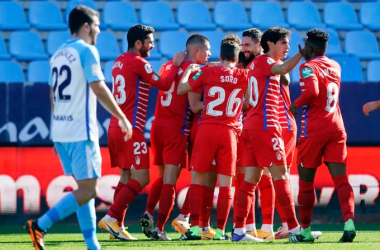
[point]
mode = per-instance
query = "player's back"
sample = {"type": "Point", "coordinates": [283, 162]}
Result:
{"type": "Point", "coordinates": [322, 114]}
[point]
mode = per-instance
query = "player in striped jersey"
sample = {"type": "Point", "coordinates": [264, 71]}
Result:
{"type": "Point", "coordinates": [131, 76]}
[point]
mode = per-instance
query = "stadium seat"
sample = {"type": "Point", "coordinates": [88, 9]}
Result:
{"type": "Point", "coordinates": [341, 16]}
{"type": "Point", "coordinates": [156, 64]}
{"type": "Point", "coordinates": [370, 15]}
{"type": "Point", "coordinates": [108, 72]}
{"type": "Point", "coordinates": [362, 44]}
{"type": "Point", "coordinates": [172, 42]}
{"type": "Point", "coordinates": [38, 71]}
{"type": "Point", "coordinates": [334, 48]}
{"type": "Point", "coordinates": [26, 46]}
{"type": "Point", "coordinates": [12, 16]}
{"type": "Point", "coordinates": [351, 68]}
{"type": "Point", "coordinates": [154, 54]}
{"type": "Point", "coordinates": [159, 15]}
{"type": "Point", "coordinates": [73, 3]}
{"type": "Point", "coordinates": [107, 46]}
{"type": "Point", "coordinates": [194, 16]}
{"type": "Point", "coordinates": [231, 16]}
{"type": "Point", "coordinates": [11, 72]}
{"type": "Point", "coordinates": [215, 38]}
{"type": "Point", "coordinates": [304, 16]}
{"type": "Point", "coordinates": [295, 39]}
{"type": "Point", "coordinates": [46, 16]}
{"type": "Point", "coordinates": [56, 39]}
{"type": "Point", "coordinates": [361, 0]}
{"type": "Point", "coordinates": [3, 50]}
{"type": "Point", "coordinates": [119, 15]}
{"type": "Point", "coordinates": [261, 19]}
{"type": "Point", "coordinates": [373, 71]}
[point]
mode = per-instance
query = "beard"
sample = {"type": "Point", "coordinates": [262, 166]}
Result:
{"type": "Point", "coordinates": [244, 61]}
{"type": "Point", "coordinates": [144, 52]}
{"type": "Point", "coordinates": [93, 39]}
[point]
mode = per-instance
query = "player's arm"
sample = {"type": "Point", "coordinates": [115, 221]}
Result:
{"type": "Point", "coordinates": [195, 102]}
{"type": "Point", "coordinates": [285, 79]}
{"type": "Point", "coordinates": [184, 85]}
{"type": "Point", "coordinates": [51, 98]}
{"type": "Point", "coordinates": [106, 99]}
{"type": "Point", "coordinates": [371, 106]}
{"type": "Point", "coordinates": [288, 65]}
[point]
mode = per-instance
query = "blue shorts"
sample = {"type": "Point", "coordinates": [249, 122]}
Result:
{"type": "Point", "coordinates": [80, 159]}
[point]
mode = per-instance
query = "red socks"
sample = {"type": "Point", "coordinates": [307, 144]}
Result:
{"type": "Point", "coordinates": [154, 195]}
{"type": "Point", "coordinates": [206, 207]}
{"type": "Point", "coordinates": [195, 198]}
{"type": "Point", "coordinates": [186, 207]}
{"type": "Point", "coordinates": [280, 211]}
{"type": "Point", "coordinates": [237, 183]}
{"type": "Point", "coordinates": [285, 198]}
{"type": "Point", "coordinates": [223, 207]}
{"type": "Point", "coordinates": [266, 198]}
{"type": "Point", "coordinates": [345, 195]}
{"type": "Point", "coordinates": [166, 205]}
{"type": "Point", "coordinates": [245, 198]}
{"type": "Point", "coordinates": [306, 201]}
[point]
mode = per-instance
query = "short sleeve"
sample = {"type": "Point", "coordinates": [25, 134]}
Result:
{"type": "Point", "coordinates": [266, 65]}
{"type": "Point", "coordinates": [91, 64]}
{"type": "Point", "coordinates": [196, 81]}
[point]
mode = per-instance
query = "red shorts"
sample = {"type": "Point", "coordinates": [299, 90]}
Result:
{"type": "Point", "coordinates": [331, 146]}
{"type": "Point", "coordinates": [263, 148]}
{"type": "Point", "coordinates": [168, 147]}
{"type": "Point", "coordinates": [290, 138]}
{"type": "Point", "coordinates": [129, 154]}
{"type": "Point", "coordinates": [240, 151]}
{"type": "Point", "coordinates": [214, 142]}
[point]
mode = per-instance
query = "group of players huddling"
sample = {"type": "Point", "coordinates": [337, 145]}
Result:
{"type": "Point", "coordinates": [235, 120]}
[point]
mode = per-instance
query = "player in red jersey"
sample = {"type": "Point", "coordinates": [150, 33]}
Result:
{"type": "Point", "coordinates": [169, 136]}
{"type": "Point", "coordinates": [323, 134]}
{"type": "Point", "coordinates": [216, 137]}
{"type": "Point", "coordinates": [131, 77]}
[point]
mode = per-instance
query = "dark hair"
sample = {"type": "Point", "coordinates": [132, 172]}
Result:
{"type": "Point", "coordinates": [318, 38]}
{"type": "Point", "coordinates": [254, 33]}
{"type": "Point", "coordinates": [229, 50]}
{"type": "Point", "coordinates": [196, 39]}
{"type": "Point", "coordinates": [138, 32]}
{"type": "Point", "coordinates": [242, 60]}
{"type": "Point", "coordinates": [233, 38]}
{"type": "Point", "coordinates": [80, 15]}
{"type": "Point", "coordinates": [273, 34]}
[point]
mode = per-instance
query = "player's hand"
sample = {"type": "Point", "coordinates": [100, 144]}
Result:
{"type": "Point", "coordinates": [213, 64]}
{"type": "Point", "coordinates": [369, 107]}
{"type": "Point", "coordinates": [301, 50]}
{"type": "Point", "coordinates": [193, 67]}
{"type": "Point", "coordinates": [126, 127]}
{"type": "Point", "coordinates": [179, 57]}
{"type": "Point", "coordinates": [293, 110]}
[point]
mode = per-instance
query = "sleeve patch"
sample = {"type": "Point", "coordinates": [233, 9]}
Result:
{"type": "Point", "coordinates": [148, 68]}
{"type": "Point", "coordinates": [307, 72]}
{"type": "Point", "coordinates": [155, 76]}
{"type": "Point", "coordinates": [197, 75]}
{"type": "Point", "coordinates": [96, 70]}
{"type": "Point", "coordinates": [270, 61]}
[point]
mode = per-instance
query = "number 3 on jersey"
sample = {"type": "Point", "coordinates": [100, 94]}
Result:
{"type": "Point", "coordinates": [167, 99]}
{"type": "Point", "coordinates": [120, 96]}
{"type": "Point", "coordinates": [232, 104]}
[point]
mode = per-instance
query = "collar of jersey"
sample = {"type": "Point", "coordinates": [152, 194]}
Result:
{"type": "Point", "coordinates": [73, 40]}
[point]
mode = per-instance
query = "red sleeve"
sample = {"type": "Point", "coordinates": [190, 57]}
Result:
{"type": "Point", "coordinates": [310, 89]}
{"type": "Point", "coordinates": [196, 81]}
{"type": "Point", "coordinates": [266, 65]}
{"type": "Point", "coordinates": [149, 76]}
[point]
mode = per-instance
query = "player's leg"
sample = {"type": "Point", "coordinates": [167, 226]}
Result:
{"type": "Point", "coordinates": [86, 215]}
{"type": "Point", "coordinates": [267, 206]}
{"type": "Point", "coordinates": [238, 179]}
{"type": "Point", "coordinates": [223, 205]}
{"type": "Point", "coordinates": [155, 192]}
{"type": "Point", "coordinates": [207, 199]}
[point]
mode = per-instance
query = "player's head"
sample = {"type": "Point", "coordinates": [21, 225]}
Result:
{"type": "Point", "coordinates": [316, 43]}
{"type": "Point", "coordinates": [233, 38]}
{"type": "Point", "coordinates": [251, 43]}
{"type": "Point", "coordinates": [84, 22]}
{"type": "Point", "coordinates": [198, 49]}
{"type": "Point", "coordinates": [242, 62]}
{"type": "Point", "coordinates": [229, 51]}
{"type": "Point", "coordinates": [275, 40]}
{"type": "Point", "coordinates": [140, 39]}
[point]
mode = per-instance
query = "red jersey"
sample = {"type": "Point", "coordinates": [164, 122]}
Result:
{"type": "Point", "coordinates": [320, 85]}
{"type": "Point", "coordinates": [173, 110]}
{"type": "Point", "coordinates": [131, 76]}
{"type": "Point", "coordinates": [264, 96]}
{"type": "Point", "coordinates": [286, 118]}
{"type": "Point", "coordinates": [223, 93]}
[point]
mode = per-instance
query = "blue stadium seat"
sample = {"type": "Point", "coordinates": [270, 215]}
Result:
{"type": "Point", "coordinates": [370, 15]}
{"type": "Point", "coordinates": [108, 72]}
{"type": "Point", "coordinates": [295, 39]}
{"type": "Point", "coordinates": [334, 48]}
{"type": "Point", "coordinates": [304, 16]}
{"type": "Point", "coordinates": [295, 73]}
{"type": "Point", "coordinates": [26, 46]}
{"type": "Point", "coordinates": [261, 19]}
{"type": "Point", "coordinates": [38, 71]}
{"type": "Point", "coordinates": [107, 46]}
{"type": "Point", "coordinates": [231, 16]}
{"type": "Point", "coordinates": [351, 68]}
{"type": "Point", "coordinates": [12, 16]}
{"type": "Point", "coordinates": [154, 54]}
{"type": "Point", "coordinates": [362, 44]}
{"type": "Point", "coordinates": [373, 71]}
{"type": "Point", "coordinates": [194, 16]}
{"type": "Point", "coordinates": [3, 50]}
{"type": "Point", "coordinates": [341, 16]}
{"type": "Point", "coordinates": [172, 42]}
{"type": "Point", "coordinates": [73, 3]}
{"type": "Point", "coordinates": [159, 15]}
{"type": "Point", "coordinates": [119, 15]}
{"type": "Point", "coordinates": [326, 0]}
{"type": "Point", "coordinates": [46, 16]}
{"type": "Point", "coordinates": [11, 72]}
{"type": "Point", "coordinates": [361, 0]}
{"type": "Point", "coordinates": [156, 64]}
{"type": "Point", "coordinates": [215, 38]}
{"type": "Point", "coordinates": [56, 39]}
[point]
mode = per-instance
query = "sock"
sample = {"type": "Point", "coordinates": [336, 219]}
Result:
{"type": "Point", "coordinates": [266, 198]}
{"type": "Point", "coordinates": [251, 213]}
{"type": "Point", "coordinates": [66, 206]}
{"type": "Point", "coordinates": [206, 208]}
{"type": "Point", "coordinates": [267, 228]}
{"type": "Point", "coordinates": [125, 197]}
{"type": "Point", "coordinates": [306, 201]}
{"type": "Point", "coordinates": [185, 210]}
{"type": "Point", "coordinates": [87, 221]}
{"type": "Point", "coordinates": [119, 186]}
{"type": "Point", "coordinates": [237, 183]}
{"type": "Point", "coordinates": [184, 217]}
{"type": "Point", "coordinates": [245, 198]}
{"type": "Point", "coordinates": [285, 198]}
{"type": "Point", "coordinates": [250, 227]}
{"type": "Point", "coordinates": [166, 205]}
{"type": "Point", "coordinates": [346, 196]}
{"type": "Point", "coordinates": [223, 207]}
{"type": "Point", "coordinates": [154, 195]}
{"type": "Point", "coordinates": [280, 211]}
{"type": "Point", "coordinates": [240, 231]}
{"type": "Point", "coordinates": [195, 200]}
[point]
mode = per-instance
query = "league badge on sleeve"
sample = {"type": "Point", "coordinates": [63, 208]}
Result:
{"type": "Point", "coordinates": [148, 68]}
{"type": "Point", "coordinates": [307, 72]}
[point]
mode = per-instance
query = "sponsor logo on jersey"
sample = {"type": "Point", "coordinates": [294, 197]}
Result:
{"type": "Point", "coordinates": [270, 61]}
{"type": "Point", "coordinates": [307, 72]}
{"type": "Point", "coordinates": [96, 70]}
{"type": "Point", "coordinates": [148, 68]}
{"type": "Point", "coordinates": [197, 75]}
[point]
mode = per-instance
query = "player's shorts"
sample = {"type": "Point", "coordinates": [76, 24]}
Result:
{"type": "Point", "coordinates": [290, 138]}
{"type": "Point", "coordinates": [240, 151]}
{"type": "Point", "coordinates": [332, 147]}
{"type": "Point", "coordinates": [263, 148]}
{"type": "Point", "coordinates": [80, 159]}
{"type": "Point", "coordinates": [217, 142]}
{"type": "Point", "coordinates": [129, 154]}
{"type": "Point", "coordinates": [168, 146]}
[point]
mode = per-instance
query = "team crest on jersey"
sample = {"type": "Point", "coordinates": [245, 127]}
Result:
{"type": "Point", "coordinates": [96, 70]}
{"type": "Point", "coordinates": [307, 72]}
{"type": "Point", "coordinates": [138, 160]}
{"type": "Point", "coordinates": [270, 61]}
{"type": "Point", "coordinates": [213, 162]}
{"type": "Point", "coordinates": [148, 68]}
{"type": "Point", "coordinates": [251, 66]}
{"type": "Point", "coordinates": [278, 155]}
{"type": "Point", "coordinates": [197, 75]}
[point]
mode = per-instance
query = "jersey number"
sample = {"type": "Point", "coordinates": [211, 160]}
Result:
{"type": "Point", "coordinates": [139, 148]}
{"type": "Point", "coordinates": [232, 104]}
{"type": "Point", "coordinates": [167, 99]}
{"type": "Point", "coordinates": [332, 97]}
{"type": "Point", "coordinates": [277, 143]}
{"type": "Point", "coordinates": [120, 96]}
{"type": "Point", "coordinates": [64, 70]}
{"type": "Point", "coordinates": [253, 91]}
